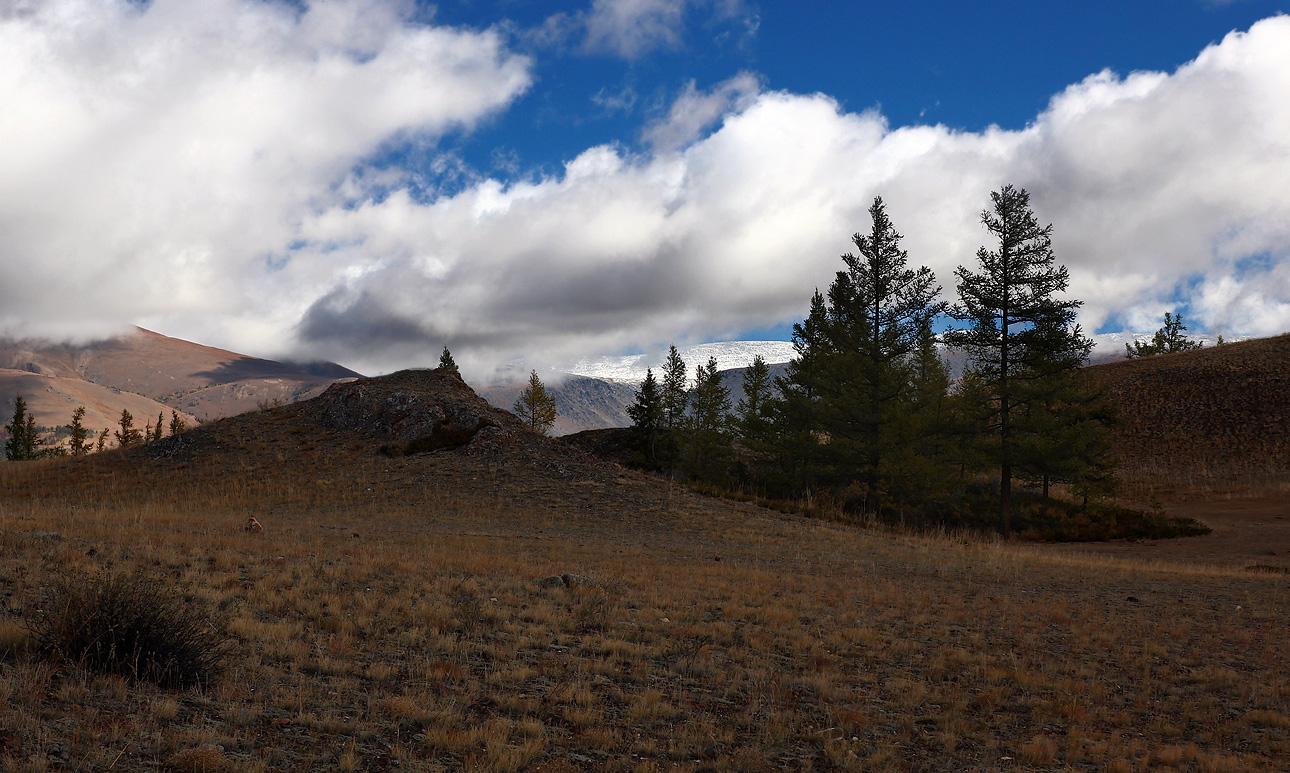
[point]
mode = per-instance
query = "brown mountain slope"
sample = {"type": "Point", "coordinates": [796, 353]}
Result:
{"type": "Point", "coordinates": [51, 400]}
{"type": "Point", "coordinates": [200, 380]}
{"type": "Point", "coordinates": [1206, 421]}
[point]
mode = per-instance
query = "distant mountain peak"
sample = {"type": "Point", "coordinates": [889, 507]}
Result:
{"type": "Point", "coordinates": [729, 354]}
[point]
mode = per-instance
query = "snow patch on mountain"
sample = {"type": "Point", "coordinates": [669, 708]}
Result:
{"type": "Point", "coordinates": [729, 354]}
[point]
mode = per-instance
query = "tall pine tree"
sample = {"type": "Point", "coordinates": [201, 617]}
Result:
{"type": "Point", "coordinates": [755, 411]}
{"type": "Point", "coordinates": [707, 444]}
{"type": "Point", "coordinates": [1011, 294]}
{"type": "Point", "coordinates": [647, 419]}
{"type": "Point", "coordinates": [675, 399]}
{"type": "Point", "coordinates": [860, 342]}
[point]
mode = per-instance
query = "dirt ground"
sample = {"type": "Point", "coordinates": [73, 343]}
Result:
{"type": "Point", "coordinates": [1248, 531]}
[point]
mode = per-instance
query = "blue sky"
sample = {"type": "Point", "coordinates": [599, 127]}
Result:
{"type": "Point", "coordinates": [965, 65]}
{"type": "Point", "coordinates": [367, 181]}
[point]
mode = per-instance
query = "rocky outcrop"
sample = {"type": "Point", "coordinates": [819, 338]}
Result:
{"type": "Point", "coordinates": [415, 411]}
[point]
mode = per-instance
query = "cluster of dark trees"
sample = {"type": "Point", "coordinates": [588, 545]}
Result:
{"type": "Point", "coordinates": [25, 442]}
{"type": "Point", "coordinates": [867, 414]}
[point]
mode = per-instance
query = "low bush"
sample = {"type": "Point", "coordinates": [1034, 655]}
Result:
{"type": "Point", "coordinates": [131, 625]}
{"type": "Point", "coordinates": [1034, 517]}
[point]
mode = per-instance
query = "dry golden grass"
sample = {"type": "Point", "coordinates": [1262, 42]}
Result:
{"type": "Point", "coordinates": [390, 617]}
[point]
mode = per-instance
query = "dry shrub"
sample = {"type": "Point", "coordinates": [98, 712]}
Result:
{"type": "Point", "coordinates": [202, 759]}
{"type": "Point", "coordinates": [1041, 750]}
{"type": "Point", "coordinates": [128, 624]}
{"type": "Point", "coordinates": [13, 640]}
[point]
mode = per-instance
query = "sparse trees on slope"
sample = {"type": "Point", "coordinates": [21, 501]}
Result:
{"type": "Point", "coordinates": [536, 406]}
{"type": "Point", "coordinates": [80, 444]}
{"type": "Point", "coordinates": [127, 435]}
{"type": "Point", "coordinates": [1167, 339]}
{"type": "Point", "coordinates": [1012, 292]}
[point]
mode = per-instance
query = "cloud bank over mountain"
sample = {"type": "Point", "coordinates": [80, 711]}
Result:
{"type": "Point", "coordinates": [215, 171]}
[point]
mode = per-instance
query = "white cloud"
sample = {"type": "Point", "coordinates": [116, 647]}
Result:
{"type": "Point", "coordinates": [199, 168]}
{"type": "Point", "coordinates": [154, 158]}
{"type": "Point", "coordinates": [695, 111]}
{"type": "Point", "coordinates": [1156, 184]}
{"type": "Point", "coordinates": [632, 27]}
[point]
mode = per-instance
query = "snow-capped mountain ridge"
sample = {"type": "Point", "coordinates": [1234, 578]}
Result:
{"type": "Point", "coordinates": [739, 354]}
{"type": "Point", "coordinates": [1111, 345]}
{"type": "Point", "coordinates": [729, 354]}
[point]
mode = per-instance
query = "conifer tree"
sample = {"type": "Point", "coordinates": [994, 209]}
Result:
{"type": "Point", "coordinates": [127, 435]}
{"type": "Point", "coordinates": [754, 422]}
{"type": "Point", "coordinates": [147, 432]}
{"type": "Point", "coordinates": [647, 418]}
{"type": "Point", "coordinates": [23, 439]}
{"type": "Point", "coordinates": [446, 362]}
{"type": "Point", "coordinates": [161, 422]}
{"type": "Point", "coordinates": [675, 395]}
{"type": "Point", "coordinates": [708, 438]}
{"type": "Point", "coordinates": [798, 424]}
{"type": "Point", "coordinates": [863, 334]}
{"type": "Point", "coordinates": [1062, 418]}
{"type": "Point", "coordinates": [1013, 292]}
{"type": "Point", "coordinates": [675, 398]}
{"type": "Point", "coordinates": [102, 441]}
{"type": "Point", "coordinates": [177, 425]}
{"type": "Point", "coordinates": [897, 303]}
{"type": "Point", "coordinates": [970, 413]}
{"type": "Point", "coordinates": [1167, 340]}
{"type": "Point", "coordinates": [920, 466]}
{"type": "Point", "coordinates": [536, 406]}
{"type": "Point", "coordinates": [755, 411]}
{"type": "Point", "coordinates": [80, 444]}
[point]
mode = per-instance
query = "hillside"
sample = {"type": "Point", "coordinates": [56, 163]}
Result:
{"type": "Point", "coordinates": [1211, 420]}
{"type": "Point", "coordinates": [51, 400]}
{"type": "Point", "coordinates": [198, 381]}
{"type": "Point", "coordinates": [436, 588]}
